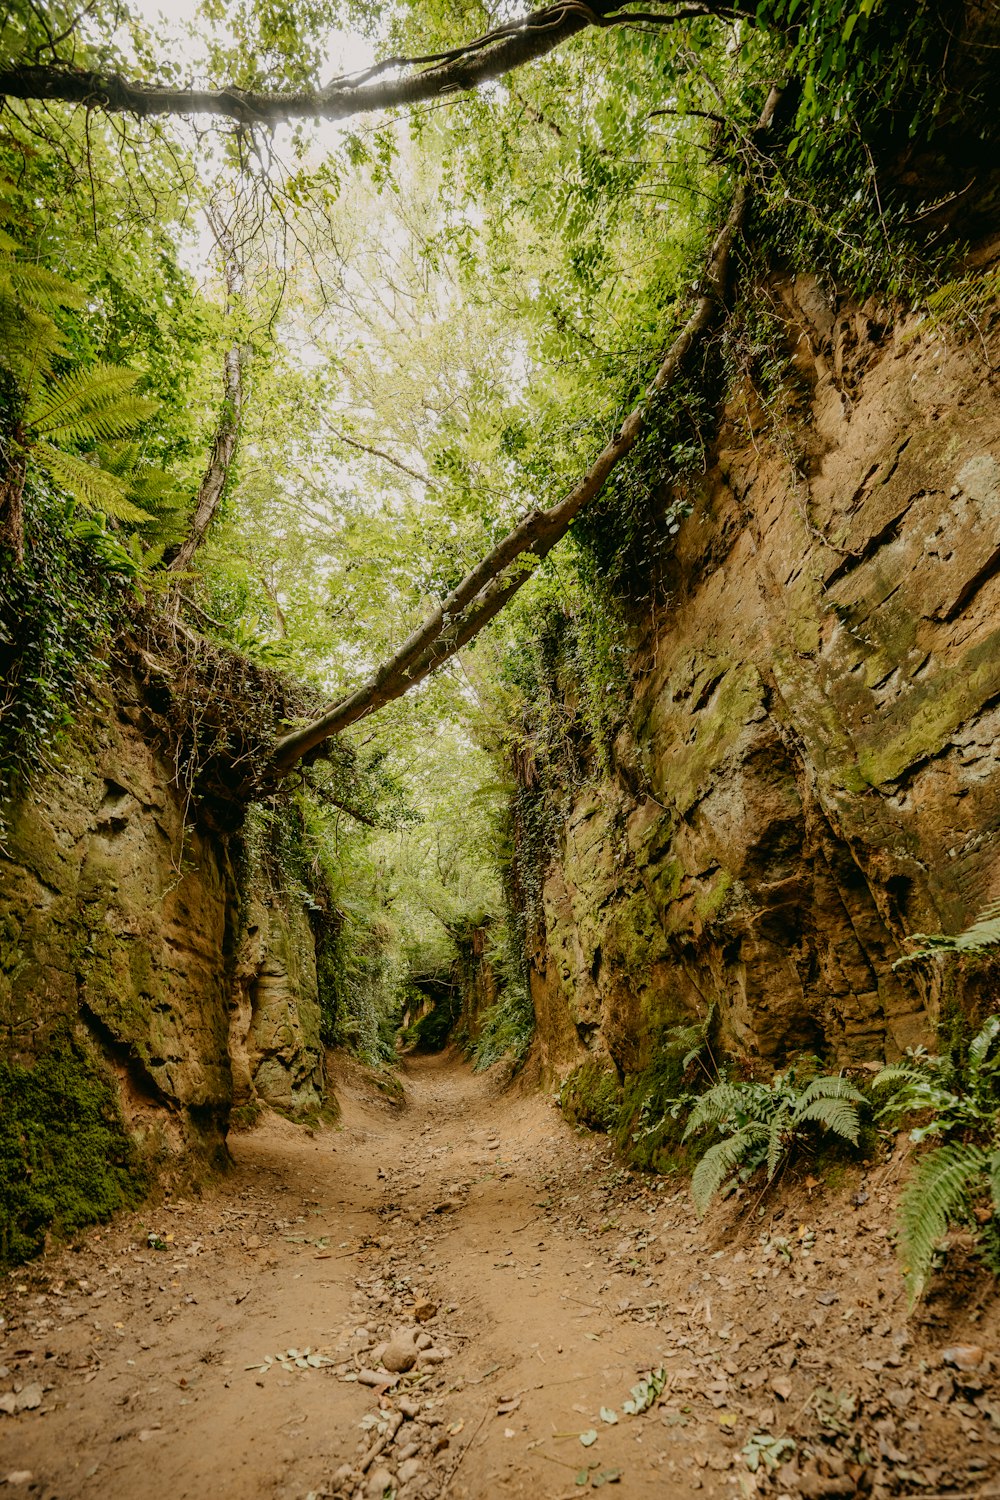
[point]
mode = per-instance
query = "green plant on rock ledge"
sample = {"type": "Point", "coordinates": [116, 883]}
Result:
{"type": "Point", "coordinates": [980, 937]}
{"type": "Point", "coordinates": [762, 1124]}
{"type": "Point", "coordinates": [958, 1182]}
{"type": "Point", "coordinates": [592, 1095]}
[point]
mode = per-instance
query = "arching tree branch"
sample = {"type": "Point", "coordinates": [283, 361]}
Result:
{"type": "Point", "coordinates": [416, 80]}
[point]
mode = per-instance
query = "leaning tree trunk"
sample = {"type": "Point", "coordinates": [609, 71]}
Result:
{"type": "Point", "coordinates": [493, 582]}
{"type": "Point", "coordinates": [220, 461]}
{"type": "Point", "coordinates": [224, 443]}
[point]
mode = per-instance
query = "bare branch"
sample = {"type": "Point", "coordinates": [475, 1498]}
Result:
{"type": "Point", "coordinates": [397, 463]}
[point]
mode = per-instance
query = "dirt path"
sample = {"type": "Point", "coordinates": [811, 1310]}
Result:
{"type": "Point", "coordinates": [558, 1281]}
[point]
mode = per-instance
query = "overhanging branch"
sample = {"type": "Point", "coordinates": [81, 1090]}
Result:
{"type": "Point", "coordinates": [418, 79]}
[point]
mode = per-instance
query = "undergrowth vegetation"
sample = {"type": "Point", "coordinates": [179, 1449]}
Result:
{"type": "Point", "coordinates": [738, 1134]}
{"type": "Point", "coordinates": [761, 1125]}
{"type": "Point", "coordinates": [58, 615]}
{"type": "Point", "coordinates": [957, 1183]}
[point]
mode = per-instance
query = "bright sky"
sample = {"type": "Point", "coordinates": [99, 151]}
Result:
{"type": "Point", "coordinates": [346, 51]}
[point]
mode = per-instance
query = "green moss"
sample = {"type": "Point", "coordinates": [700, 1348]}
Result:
{"type": "Point", "coordinates": [710, 901]}
{"type": "Point", "coordinates": [10, 939]}
{"type": "Point", "coordinates": [592, 1095]}
{"type": "Point", "coordinates": [245, 1116]}
{"type": "Point", "coordinates": [118, 976]}
{"type": "Point", "coordinates": [389, 1083]}
{"type": "Point", "coordinates": [66, 1157]}
{"type": "Point", "coordinates": [923, 719]}
{"type": "Point", "coordinates": [647, 1132]}
{"type": "Point", "coordinates": [735, 701]}
{"type": "Point", "coordinates": [633, 937]}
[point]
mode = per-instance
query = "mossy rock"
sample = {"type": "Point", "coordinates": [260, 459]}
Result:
{"type": "Point", "coordinates": [433, 1031]}
{"type": "Point", "coordinates": [647, 1133]}
{"type": "Point", "coordinates": [245, 1116]}
{"type": "Point", "coordinates": [592, 1095]}
{"type": "Point", "coordinates": [66, 1157]}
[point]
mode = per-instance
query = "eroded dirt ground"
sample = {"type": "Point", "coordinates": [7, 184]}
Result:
{"type": "Point", "coordinates": [543, 1282]}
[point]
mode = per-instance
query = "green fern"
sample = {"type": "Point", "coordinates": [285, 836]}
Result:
{"type": "Point", "coordinates": [937, 1195]}
{"type": "Point", "coordinates": [960, 1092]}
{"type": "Point", "coordinates": [981, 1043]}
{"type": "Point", "coordinates": [762, 1124]}
{"type": "Point", "coordinates": [719, 1104]}
{"type": "Point", "coordinates": [29, 296]}
{"type": "Point", "coordinates": [778, 1140]}
{"type": "Point", "coordinates": [91, 404]}
{"type": "Point", "coordinates": [54, 416]}
{"type": "Point", "coordinates": [993, 1168]}
{"type": "Point", "coordinates": [92, 486]}
{"type": "Point", "coordinates": [984, 933]}
{"type": "Point", "coordinates": [721, 1160]}
{"type": "Point", "coordinates": [838, 1116]}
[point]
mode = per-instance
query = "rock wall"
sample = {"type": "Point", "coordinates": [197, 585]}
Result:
{"type": "Point", "coordinates": [160, 945]}
{"type": "Point", "coordinates": [811, 772]}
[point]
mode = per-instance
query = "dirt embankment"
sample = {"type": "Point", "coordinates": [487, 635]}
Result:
{"type": "Point", "coordinates": [544, 1283]}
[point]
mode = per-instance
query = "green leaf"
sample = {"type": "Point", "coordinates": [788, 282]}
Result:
{"type": "Point", "coordinates": [936, 1195]}
{"type": "Point", "coordinates": [87, 483]}
{"type": "Point", "coordinates": [588, 1438]}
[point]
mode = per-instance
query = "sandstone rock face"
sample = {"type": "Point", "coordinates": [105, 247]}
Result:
{"type": "Point", "coordinates": [122, 919]}
{"type": "Point", "coordinates": [275, 1036]}
{"type": "Point", "coordinates": [811, 771]}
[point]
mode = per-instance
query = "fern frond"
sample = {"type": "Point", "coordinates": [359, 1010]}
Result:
{"type": "Point", "coordinates": [103, 422]}
{"type": "Point", "coordinates": [87, 483]}
{"type": "Point", "coordinates": [88, 404]}
{"type": "Point", "coordinates": [897, 1074]}
{"type": "Point", "coordinates": [777, 1145]}
{"type": "Point", "coordinates": [715, 1106]}
{"type": "Point", "coordinates": [719, 1161]}
{"type": "Point", "coordinates": [983, 1041]}
{"type": "Point", "coordinates": [831, 1086]}
{"type": "Point", "coordinates": [935, 1196]}
{"type": "Point", "coordinates": [993, 1167]}
{"type": "Point", "coordinates": [40, 287]}
{"type": "Point", "coordinates": [984, 932]}
{"type": "Point", "coordinates": [29, 340]}
{"type": "Point", "coordinates": [835, 1114]}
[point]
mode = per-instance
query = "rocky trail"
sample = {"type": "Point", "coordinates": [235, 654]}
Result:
{"type": "Point", "coordinates": [530, 1293]}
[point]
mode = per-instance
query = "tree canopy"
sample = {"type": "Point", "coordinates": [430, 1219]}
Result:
{"type": "Point", "coordinates": [330, 327]}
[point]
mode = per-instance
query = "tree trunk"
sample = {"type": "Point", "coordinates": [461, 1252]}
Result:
{"type": "Point", "coordinates": [12, 504]}
{"type": "Point", "coordinates": [219, 463]}
{"type": "Point", "coordinates": [220, 460]}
